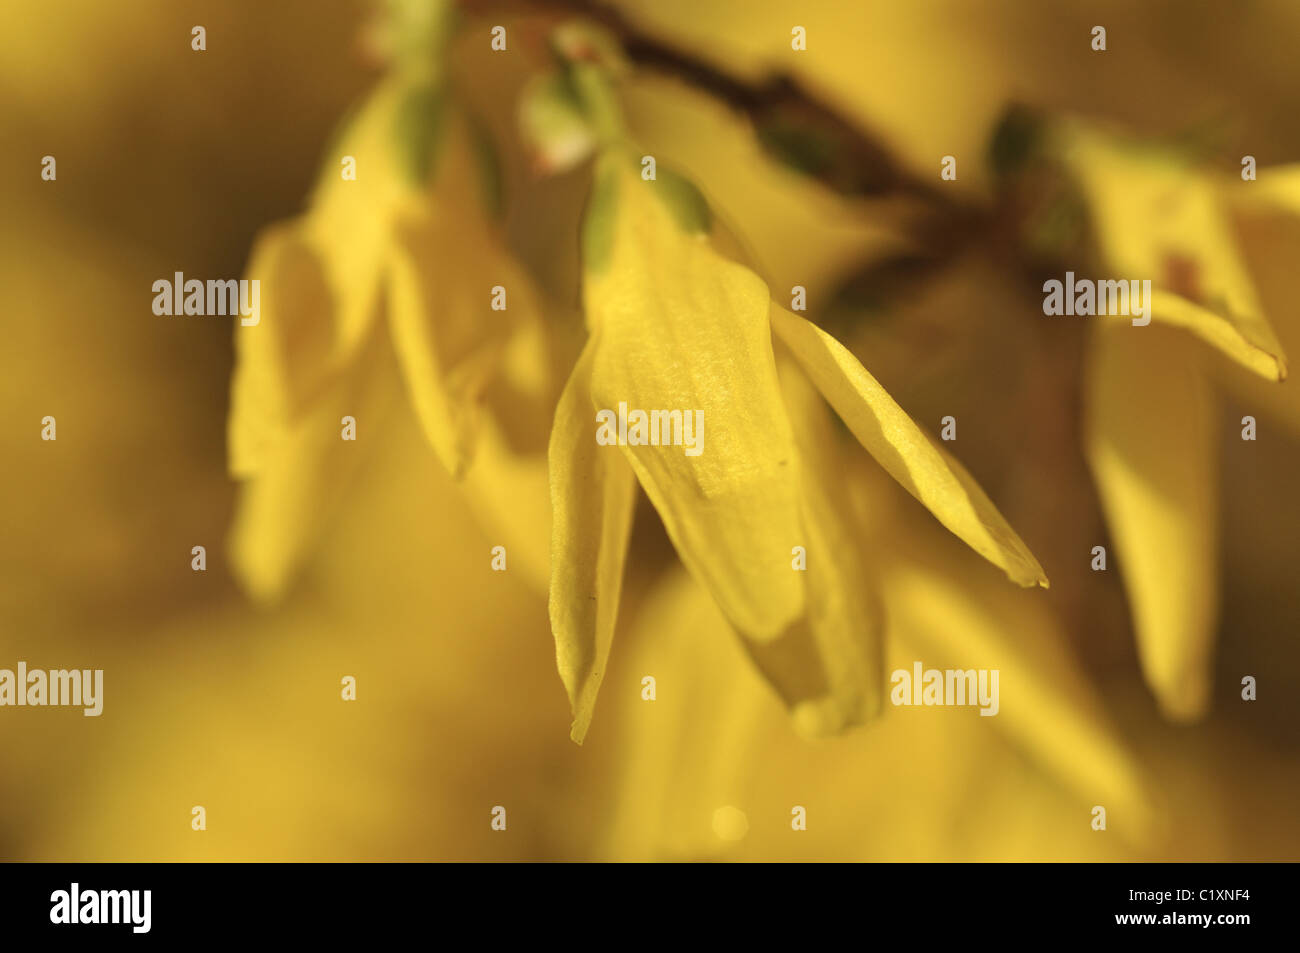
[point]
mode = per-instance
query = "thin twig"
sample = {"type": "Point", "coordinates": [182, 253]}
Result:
{"type": "Point", "coordinates": [789, 120]}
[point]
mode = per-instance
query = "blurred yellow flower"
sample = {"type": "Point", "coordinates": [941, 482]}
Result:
{"type": "Point", "coordinates": [417, 250]}
{"type": "Point", "coordinates": [1152, 427]}
{"type": "Point", "coordinates": [378, 307]}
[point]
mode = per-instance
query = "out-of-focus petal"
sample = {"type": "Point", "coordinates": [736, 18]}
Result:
{"type": "Point", "coordinates": [1237, 339]}
{"type": "Point", "coordinates": [1044, 705]}
{"type": "Point", "coordinates": [1151, 443]}
{"type": "Point", "coordinates": [904, 450]}
{"type": "Point", "coordinates": [305, 475]}
{"type": "Point", "coordinates": [448, 339]}
{"type": "Point", "coordinates": [500, 473]}
{"type": "Point", "coordinates": [683, 329]}
{"type": "Point", "coordinates": [349, 221]}
{"type": "Point", "coordinates": [1276, 186]}
{"type": "Point", "coordinates": [592, 496]}
{"type": "Point", "coordinates": [282, 362]}
{"type": "Point", "coordinates": [1270, 233]}
{"type": "Point", "coordinates": [455, 299]}
{"type": "Point", "coordinates": [1160, 219]}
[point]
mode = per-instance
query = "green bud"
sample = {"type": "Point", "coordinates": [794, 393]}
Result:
{"type": "Point", "coordinates": [553, 123]}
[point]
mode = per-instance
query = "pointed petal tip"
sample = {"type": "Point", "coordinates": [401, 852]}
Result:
{"type": "Point", "coordinates": [812, 722]}
{"type": "Point", "coordinates": [904, 450]}
{"type": "Point", "coordinates": [1270, 366]}
{"type": "Point", "coordinates": [1184, 706]}
{"type": "Point", "coordinates": [1027, 573]}
{"type": "Point", "coordinates": [264, 589]}
{"type": "Point", "coordinates": [822, 719]}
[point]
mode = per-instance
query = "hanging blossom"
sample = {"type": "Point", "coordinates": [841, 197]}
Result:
{"type": "Point", "coordinates": [1152, 417]}
{"type": "Point", "coordinates": [674, 324]}
{"type": "Point", "coordinates": [395, 261]}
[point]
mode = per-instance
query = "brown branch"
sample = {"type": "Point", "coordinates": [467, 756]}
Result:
{"type": "Point", "coordinates": [790, 122]}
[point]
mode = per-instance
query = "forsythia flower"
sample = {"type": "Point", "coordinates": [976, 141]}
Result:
{"type": "Point", "coordinates": [1152, 427]}
{"type": "Point", "coordinates": [675, 325]}
{"type": "Point", "coordinates": [407, 240]}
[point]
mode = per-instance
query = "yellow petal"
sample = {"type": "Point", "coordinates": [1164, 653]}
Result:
{"type": "Point", "coordinates": [503, 471]}
{"type": "Point", "coordinates": [1248, 342]}
{"type": "Point", "coordinates": [1270, 232]}
{"type": "Point", "coordinates": [282, 362]}
{"type": "Point", "coordinates": [1159, 219]}
{"type": "Point", "coordinates": [923, 468]}
{"type": "Point", "coordinates": [1044, 705]}
{"type": "Point", "coordinates": [1151, 445]}
{"type": "Point", "coordinates": [1277, 187]}
{"type": "Point", "coordinates": [456, 299]}
{"type": "Point", "coordinates": [681, 328]}
{"type": "Point", "coordinates": [447, 337]}
{"type": "Point", "coordinates": [592, 496]}
{"type": "Point", "coordinates": [827, 666]}
{"type": "Point", "coordinates": [320, 283]}
{"type": "Point", "coordinates": [303, 477]}
{"type": "Point", "coordinates": [349, 221]}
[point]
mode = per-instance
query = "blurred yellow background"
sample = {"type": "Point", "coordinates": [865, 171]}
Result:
{"type": "Point", "coordinates": [174, 160]}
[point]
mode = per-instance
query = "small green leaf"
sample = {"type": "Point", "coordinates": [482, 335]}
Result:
{"type": "Point", "coordinates": [689, 206]}
{"type": "Point", "coordinates": [418, 127]}
{"type": "Point", "coordinates": [599, 220]}
{"type": "Point", "coordinates": [594, 90]}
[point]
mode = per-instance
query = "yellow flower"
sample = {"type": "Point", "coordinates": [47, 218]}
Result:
{"type": "Point", "coordinates": [673, 324]}
{"type": "Point", "coordinates": [1267, 215]}
{"type": "Point", "coordinates": [1159, 216]}
{"type": "Point", "coordinates": [402, 256]}
{"type": "Point", "coordinates": [1152, 427]}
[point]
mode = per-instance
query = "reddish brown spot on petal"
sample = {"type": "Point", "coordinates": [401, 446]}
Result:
{"type": "Point", "coordinates": [1182, 276]}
